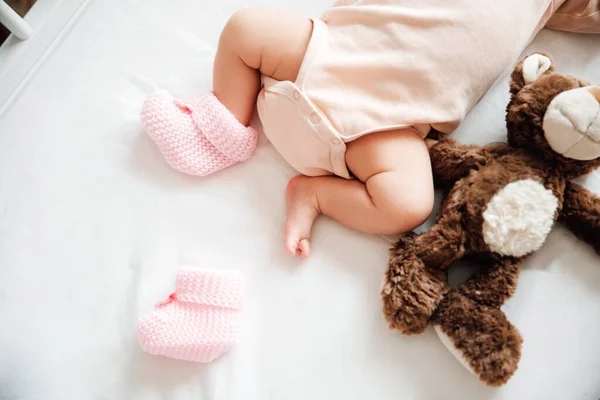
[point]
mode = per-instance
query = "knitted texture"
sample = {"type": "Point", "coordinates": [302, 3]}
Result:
{"type": "Point", "coordinates": [196, 139]}
{"type": "Point", "coordinates": [222, 129]}
{"type": "Point", "coordinates": [199, 321]}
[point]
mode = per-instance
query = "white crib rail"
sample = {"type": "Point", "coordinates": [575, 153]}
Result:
{"type": "Point", "coordinates": [14, 22]}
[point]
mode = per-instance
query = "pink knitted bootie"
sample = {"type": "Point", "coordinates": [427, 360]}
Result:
{"type": "Point", "coordinates": [199, 138]}
{"type": "Point", "coordinates": [199, 321]}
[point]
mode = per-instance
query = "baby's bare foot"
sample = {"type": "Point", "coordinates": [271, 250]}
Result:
{"type": "Point", "coordinates": [302, 209]}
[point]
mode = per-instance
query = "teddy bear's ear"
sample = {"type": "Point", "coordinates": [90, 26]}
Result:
{"type": "Point", "coordinates": [529, 70]}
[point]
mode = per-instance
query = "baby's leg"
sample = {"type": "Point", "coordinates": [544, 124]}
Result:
{"type": "Point", "coordinates": [212, 133]}
{"type": "Point", "coordinates": [393, 193]}
{"type": "Point", "coordinates": [270, 42]}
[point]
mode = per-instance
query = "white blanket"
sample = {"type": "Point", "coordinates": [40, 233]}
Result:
{"type": "Point", "coordinates": [93, 226]}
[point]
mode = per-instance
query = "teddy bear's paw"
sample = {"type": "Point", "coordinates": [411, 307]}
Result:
{"type": "Point", "coordinates": [403, 245]}
{"type": "Point", "coordinates": [410, 293]}
{"type": "Point", "coordinates": [480, 337]}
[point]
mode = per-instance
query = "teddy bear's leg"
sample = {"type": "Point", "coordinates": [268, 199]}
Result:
{"type": "Point", "coordinates": [470, 323]}
{"type": "Point", "coordinates": [415, 280]}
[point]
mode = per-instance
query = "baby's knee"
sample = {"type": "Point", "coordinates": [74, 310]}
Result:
{"type": "Point", "coordinates": [406, 215]}
{"type": "Point", "coordinates": [416, 209]}
{"type": "Point", "coordinates": [406, 203]}
{"type": "Point", "coordinates": [240, 25]}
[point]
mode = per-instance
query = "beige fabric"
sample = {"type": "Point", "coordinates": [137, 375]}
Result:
{"type": "Point", "coordinates": [375, 65]}
{"type": "Point", "coordinates": [581, 16]}
{"type": "Point", "coordinates": [420, 63]}
{"type": "Point", "coordinates": [295, 126]}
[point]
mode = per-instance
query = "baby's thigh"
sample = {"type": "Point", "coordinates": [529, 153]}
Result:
{"type": "Point", "coordinates": [396, 169]}
{"type": "Point", "coordinates": [273, 42]}
{"type": "Point", "coordinates": [400, 150]}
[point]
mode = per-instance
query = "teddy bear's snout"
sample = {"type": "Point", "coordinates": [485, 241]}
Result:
{"type": "Point", "coordinates": [572, 123]}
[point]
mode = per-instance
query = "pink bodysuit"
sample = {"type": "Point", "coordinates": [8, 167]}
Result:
{"type": "Point", "coordinates": [376, 65]}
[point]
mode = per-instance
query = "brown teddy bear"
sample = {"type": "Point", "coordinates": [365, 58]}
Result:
{"type": "Point", "coordinates": [502, 203]}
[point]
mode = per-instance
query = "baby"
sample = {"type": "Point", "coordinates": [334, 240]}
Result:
{"type": "Point", "coordinates": [349, 98]}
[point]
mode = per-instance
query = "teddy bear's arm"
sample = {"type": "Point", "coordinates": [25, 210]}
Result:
{"type": "Point", "coordinates": [581, 213]}
{"type": "Point", "coordinates": [452, 161]}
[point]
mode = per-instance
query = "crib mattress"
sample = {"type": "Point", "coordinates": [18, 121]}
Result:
{"type": "Point", "coordinates": [94, 224]}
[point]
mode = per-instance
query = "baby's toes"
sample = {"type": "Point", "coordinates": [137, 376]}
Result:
{"type": "Point", "coordinates": [291, 244]}
{"type": "Point", "coordinates": [304, 248]}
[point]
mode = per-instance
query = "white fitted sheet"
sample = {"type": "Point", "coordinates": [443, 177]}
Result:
{"type": "Point", "coordinates": [93, 226]}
